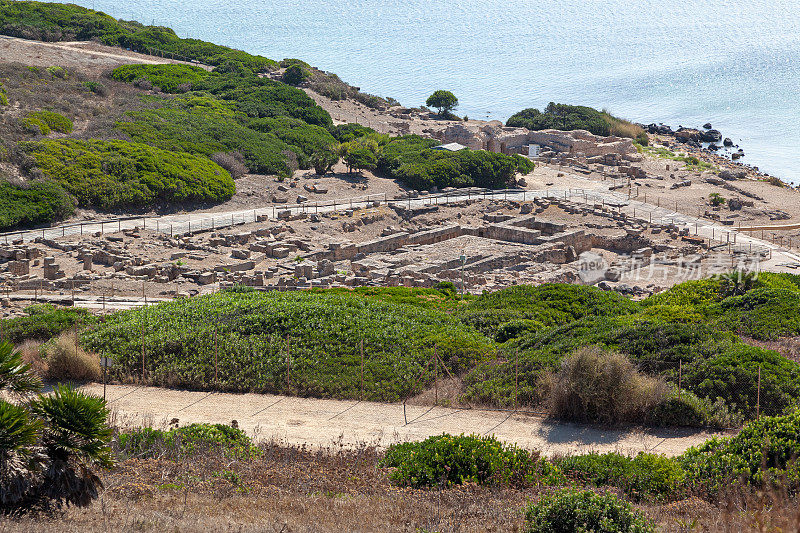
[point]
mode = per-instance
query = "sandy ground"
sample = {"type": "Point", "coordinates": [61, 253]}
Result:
{"type": "Point", "coordinates": [320, 423]}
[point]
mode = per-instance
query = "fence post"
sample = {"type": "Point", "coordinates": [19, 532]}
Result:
{"type": "Point", "coordinates": [680, 374]}
{"type": "Point", "coordinates": [362, 370]}
{"type": "Point", "coordinates": [287, 363]}
{"type": "Point", "coordinates": [436, 376]}
{"type": "Point", "coordinates": [516, 380]}
{"type": "Point", "coordinates": [216, 354]}
{"type": "Point", "coordinates": [758, 395]}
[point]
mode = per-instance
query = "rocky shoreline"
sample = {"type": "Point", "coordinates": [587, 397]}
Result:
{"type": "Point", "coordinates": [708, 144]}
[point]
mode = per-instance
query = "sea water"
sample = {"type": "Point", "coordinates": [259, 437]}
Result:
{"type": "Point", "coordinates": [733, 64]}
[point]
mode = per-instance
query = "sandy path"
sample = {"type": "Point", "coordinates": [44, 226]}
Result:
{"type": "Point", "coordinates": [321, 423]}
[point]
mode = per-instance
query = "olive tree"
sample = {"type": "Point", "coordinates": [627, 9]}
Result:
{"type": "Point", "coordinates": [444, 101]}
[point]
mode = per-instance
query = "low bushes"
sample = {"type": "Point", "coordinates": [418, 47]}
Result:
{"type": "Point", "coordinates": [763, 454]}
{"type": "Point", "coordinates": [568, 511]}
{"type": "Point", "coordinates": [46, 21]}
{"type": "Point", "coordinates": [446, 460]}
{"type": "Point", "coordinates": [411, 160]}
{"type": "Point", "coordinates": [570, 117]}
{"type": "Point", "coordinates": [42, 323]}
{"type": "Point", "coordinates": [109, 174]}
{"type": "Point", "coordinates": [645, 476]}
{"type": "Point", "coordinates": [34, 202]}
{"type": "Point", "coordinates": [238, 341]}
{"type": "Point", "coordinates": [185, 441]}
{"type": "Point", "coordinates": [43, 122]}
{"type": "Point", "coordinates": [168, 78]}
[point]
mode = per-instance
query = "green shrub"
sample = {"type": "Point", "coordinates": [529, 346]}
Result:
{"type": "Point", "coordinates": [684, 408]}
{"type": "Point", "coordinates": [45, 121]}
{"type": "Point", "coordinates": [324, 332]}
{"type": "Point", "coordinates": [549, 305]}
{"type": "Point", "coordinates": [186, 441]}
{"type": "Point", "coordinates": [763, 454]}
{"type": "Point", "coordinates": [43, 322]}
{"type": "Point", "coordinates": [569, 117]}
{"type": "Point", "coordinates": [33, 202]}
{"type": "Point", "coordinates": [168, 78]}
{"type": "Point", "coordinates": [108, 174]}
{"type": "Point", "coordinates": [411, 160]}
{"type": "Point", "coordinates": [644, 476]}
{"type": "Point", "coordinates": [349, 132]}
{"type": "Point", "coordinates": [3, 95]}
{"type": "Point", "coordinates": [568, 511]}
{"type": "Point", "coordinates": [450, 460]}
{"type": "Point", "coordinates": [295, 74]}
{"type": "Point", "coordinates": [763, 313]}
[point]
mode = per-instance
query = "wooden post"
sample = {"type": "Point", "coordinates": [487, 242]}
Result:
{"type": "Point", "coordinates": [758, 395]}
{"type": "Point", "coordinates": [216, 355]}
{"type": "Point", "coordinates": [287, 363]}
{"type": "Point", "coordinates": [436, 376]}
{"type": "Point", "coordinates": [143, 356]}
{"type": "Point", "coordinates": [680, 374]}
{"type": "Point", "coordinates": [516, 380]}
{"type": "Point", "coordinates": [362, 370]}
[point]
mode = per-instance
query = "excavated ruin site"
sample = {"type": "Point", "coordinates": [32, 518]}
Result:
{"type": "Point", "coordinates": [477, 244]}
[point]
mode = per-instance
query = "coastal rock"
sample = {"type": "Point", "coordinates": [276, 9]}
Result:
{"type": "Point", "coordinates": [660, 129]}
{"type": "Point", "coordinates": [707, 126]}
{"type": "Point", "coordinates": [687, 134]}
{"type": "Point", "coordinates": [727, 142]}
{"type": "Point", "coordinates": [711, 136]}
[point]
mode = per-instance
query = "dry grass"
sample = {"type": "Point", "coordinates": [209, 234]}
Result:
{"type": "Point", "coordinates": [292, 489]}
{"type": "Point", "coordinates": [593, 385]}
{"type": "Point", "coordinates": [789, 347]}
{"type": "Point", "coordinates": [32, 354]}
{"type": "Point", "coordinates": [66, 361]}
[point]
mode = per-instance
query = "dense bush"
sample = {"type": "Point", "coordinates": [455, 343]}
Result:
{"type": "Point", "coordinates": [548, 305]}
{"type": "Point", "coordinates": [765, 452]}
{"type": "Point", "coordinates": [184, 441]}
{"type": "Point", "coordinates": [240, 340]}
{"type": "Point", "coordinates": [447, 460]}
{"type": "Point", "coordinates": [33, 202]}
{"type": "Point", "coordinates": [411, 160]}
{"type": "Point", "coordinates": [763, 313]}
{"type": "Point", "coordinates": [295, 74]}
{"type": "Point", "coordinates": [570, 117]}
{"type": "Point", "coordinates": [42, 322]}
{"type": "Point", "coordinates": [568, 511]}
{"type": "Point", "coordinates": [109, 174]}
{"type": "Point", "coordinates": [43, 122]}
{"type": "Point", "coordinates": [67, 361]}
{"type": "Point", "coordinates": [46, 21]}
{"type": "Point", "coordinates": [645, 476]}
{"type": "Point", "coordinates": [168, 78]}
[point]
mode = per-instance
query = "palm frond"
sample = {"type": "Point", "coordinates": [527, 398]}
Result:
{"type": "Point", "coordinates": [15, 375]}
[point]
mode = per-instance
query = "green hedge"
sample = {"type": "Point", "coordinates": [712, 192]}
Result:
{"type": "Point", "coordinates": [411, 160]}
{"type": "Point", "coordinates": [34, 202]}
{"type": "Point", "coordinates": [109, 174]}
{"type": "Point", "coordinates": [42, 323]}
{"type": "Point", "coordinates": [185, 441]}
{"type": "Point", "coordinates": [324, 331]}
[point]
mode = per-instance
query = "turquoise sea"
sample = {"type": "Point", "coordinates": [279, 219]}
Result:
{"type": "Point", "coordinates": [734, 64]}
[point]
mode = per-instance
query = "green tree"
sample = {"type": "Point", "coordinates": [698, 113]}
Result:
{"type": "Point", "coordinates": [444, 101]}
{"type": "Point", "coordinates": [324, 159]}
{"type": "Point", "coordinates": [295, 74]}
{"type": "Point", "coordinates": [360, 158]}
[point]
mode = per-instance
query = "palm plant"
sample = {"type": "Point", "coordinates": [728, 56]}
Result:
{"type": "Point", "coordinates": [737, 282]}
{"type": "Point", "coordinates": [50, 445]}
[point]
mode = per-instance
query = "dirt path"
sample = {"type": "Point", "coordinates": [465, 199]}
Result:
{"type": "Point", "coordinates": [322, 423]}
